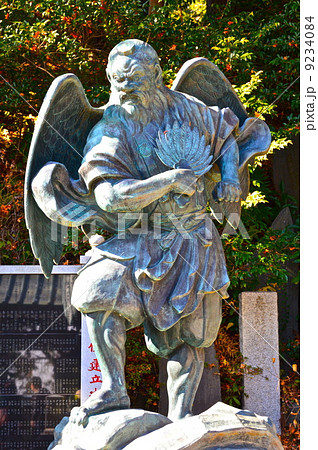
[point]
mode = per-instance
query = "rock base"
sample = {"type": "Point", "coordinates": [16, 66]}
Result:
{"type": "Point", "coordinates": [111, 430]}
{"type": "Point", "coordinates": [220, 427]}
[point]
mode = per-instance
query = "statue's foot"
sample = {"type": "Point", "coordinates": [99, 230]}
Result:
{"type": "Point", "coordinates": [99, 402]}
{"type": "Point", "coordinates": [79, 416]}
{"type": "Point", "coordinates": [178, 415]}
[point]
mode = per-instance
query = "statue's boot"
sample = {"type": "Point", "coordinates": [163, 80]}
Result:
{"type": "Point", "coordinates": [108, 336]}
{"type": "Point", "coordinates": [185, 368]}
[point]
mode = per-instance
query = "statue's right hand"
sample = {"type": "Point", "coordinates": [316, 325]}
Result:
{"type": "Point", "coordinates": [184, 181]}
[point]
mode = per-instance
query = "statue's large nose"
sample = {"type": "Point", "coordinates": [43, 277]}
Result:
{"type": "Point", "coordinates": [127, 86]}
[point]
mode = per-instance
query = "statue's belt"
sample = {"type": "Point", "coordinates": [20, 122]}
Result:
{"type": "Point", "coordinates": [187, 221]}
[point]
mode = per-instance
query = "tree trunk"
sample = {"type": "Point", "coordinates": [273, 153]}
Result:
{"type": "Point", "coordinates": [209, 4]}
{"type": "Point", "coordinates": [153, 4]}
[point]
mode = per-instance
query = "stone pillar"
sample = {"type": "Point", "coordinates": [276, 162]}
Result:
{"type": "Point", "coordinates": [91, 377]}
{"type": "Point", "coordinates": [259, 347]}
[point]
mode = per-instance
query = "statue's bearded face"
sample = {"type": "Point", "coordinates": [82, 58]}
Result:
{"type": "Point", "coordinates": [133, 83]}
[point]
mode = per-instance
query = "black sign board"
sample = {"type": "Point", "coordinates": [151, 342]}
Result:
{"type": "Point", "coordinates": [40, 357]}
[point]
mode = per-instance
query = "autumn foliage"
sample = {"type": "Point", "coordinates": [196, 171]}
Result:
{"type": "Point", "coordinates": [256, 45]}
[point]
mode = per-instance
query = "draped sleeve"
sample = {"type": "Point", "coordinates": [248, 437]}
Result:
{"type": "Point", "coordinates": [107, 154]}
{"type": "Point", "coordinates": [228, 124]}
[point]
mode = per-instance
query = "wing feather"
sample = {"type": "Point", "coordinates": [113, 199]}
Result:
{"type": "Point", "coordinates": [202, 79]}
{"type": "Point", "coordinates": [60, 134]}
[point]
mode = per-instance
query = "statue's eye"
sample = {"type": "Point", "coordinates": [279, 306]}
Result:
{"type": "Point", "coordinates": [115, 76]}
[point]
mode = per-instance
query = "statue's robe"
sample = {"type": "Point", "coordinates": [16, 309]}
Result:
{"type": "Point", "coordinates": [152, 277]}
{"type": "Point", "coordinates": [173, 269]}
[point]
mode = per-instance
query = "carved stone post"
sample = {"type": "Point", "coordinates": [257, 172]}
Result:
{"type": "Point", "coordinates": [259, 346]}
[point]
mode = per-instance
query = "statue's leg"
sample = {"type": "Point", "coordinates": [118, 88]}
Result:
{"type": "Point", "coordinates": [185, 367]}
{"type": "Point", "coordinates": [105, 293]}
{"type": "Point", "coordinates": [186, 362]}
{"type": "Point", "coordinates": [108, 335]}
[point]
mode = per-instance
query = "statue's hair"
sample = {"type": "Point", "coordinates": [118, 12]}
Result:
{"type": "Point", "coordinates": [140, 50]}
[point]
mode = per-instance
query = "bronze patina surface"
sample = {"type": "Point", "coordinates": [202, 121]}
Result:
{"type": "Point", "coordinates": [151, 159]}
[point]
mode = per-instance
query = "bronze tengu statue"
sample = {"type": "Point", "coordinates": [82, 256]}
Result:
{"type": "Point", "coordinates": [156, 156]}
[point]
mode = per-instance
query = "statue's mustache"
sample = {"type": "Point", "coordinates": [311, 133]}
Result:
{"type": "Point", "coordinates": [141, 106]}
{"type": "Point", "coordinates": [135, 96]}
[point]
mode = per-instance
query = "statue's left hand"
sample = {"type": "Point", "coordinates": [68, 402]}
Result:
{"type": "Point", "coordinates": [227, 191]}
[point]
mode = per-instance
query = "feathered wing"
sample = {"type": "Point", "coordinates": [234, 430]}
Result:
{"type": "Point", "coordinates": [202, 79]}
{"type": "Point", "coordinates": [64, 122]}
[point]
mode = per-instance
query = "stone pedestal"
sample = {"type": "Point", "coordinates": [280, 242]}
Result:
{"type": "Point", "coordinates": [112, 431]}
{"type": "Point", "coordinates": [259, 346]}
{"type": "Point", "coordinates": [220, 427]}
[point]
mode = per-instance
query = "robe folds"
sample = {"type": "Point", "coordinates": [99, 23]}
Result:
{"type": "Point", "coordinates": [178, 257]}
{"type": "Point", "coordinates": [164, 265]}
